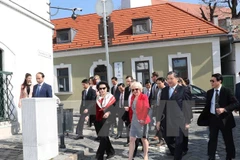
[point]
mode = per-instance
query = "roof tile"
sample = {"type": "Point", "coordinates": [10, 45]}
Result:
{"type": "Point", "coordinates": [169, 22]}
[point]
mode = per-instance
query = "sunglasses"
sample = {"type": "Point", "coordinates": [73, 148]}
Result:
{"type": "Point", "coordinates": [212, 81]}
{"type": "Point", "coordinates": [136, 89]}
{"type": "Point", "coordinates": [102, 88]}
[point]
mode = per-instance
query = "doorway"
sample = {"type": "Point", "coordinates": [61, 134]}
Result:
{"type": "Point", "coordinates": [101, 70]}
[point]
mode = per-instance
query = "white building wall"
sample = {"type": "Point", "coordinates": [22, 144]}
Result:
{"type": "Point", "coordinates": [237, 54]}
{"type": "Point", "coordinates": [39, 7]}
{"type": "Point", "coordinates": [26, 41]}
{"type": "Point", "coordinates": [135, 3]}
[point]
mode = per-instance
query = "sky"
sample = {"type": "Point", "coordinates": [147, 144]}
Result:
{"type": "Point", "coordinates": [88, 6]}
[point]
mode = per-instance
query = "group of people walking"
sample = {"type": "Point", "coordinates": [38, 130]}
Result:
{"type": "Point", "coordinates": [165, 104]}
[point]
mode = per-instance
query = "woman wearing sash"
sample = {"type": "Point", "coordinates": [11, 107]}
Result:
{"type": "Point", "coordinates": [104, 113]}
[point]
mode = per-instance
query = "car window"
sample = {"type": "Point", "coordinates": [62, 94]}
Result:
{"type": "Point", "coordinates": [196, 90]}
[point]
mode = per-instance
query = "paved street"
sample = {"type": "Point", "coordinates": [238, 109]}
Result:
{"type": "Point", "coordinates": [85, 149]}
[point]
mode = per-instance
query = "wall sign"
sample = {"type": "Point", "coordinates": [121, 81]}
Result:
{"type": "Point", "coordinates": [118, 71]}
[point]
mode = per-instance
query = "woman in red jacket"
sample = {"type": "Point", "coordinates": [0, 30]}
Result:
{"type": "Point", "coordinates": [104, 110]}
{"type": "Point", "coordinates": [138, 113]}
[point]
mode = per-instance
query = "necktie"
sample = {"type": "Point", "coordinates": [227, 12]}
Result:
{"type": "Point", "coordinates": [38, 90]}
{"type": "Point", "coordinates": [216, 101]}
{"type": "Point", "coordinates": [148, 93]}
{"type": "Point", "coordinates": [171, 92]}
{"type": "Point", "coordinates": [84, 97]}
{"type": "Point", "coordinates": [120, 101]}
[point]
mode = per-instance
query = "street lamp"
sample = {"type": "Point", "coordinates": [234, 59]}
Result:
{"type": "Point", "coordinates": [74, 15]}
{"type": "Point", "coordinates": [104, 8]}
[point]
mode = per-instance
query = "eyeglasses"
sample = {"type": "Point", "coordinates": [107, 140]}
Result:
{"type": "Point", "coordinates": [136, 89]}
{"type": "Point", "coordinates": [212, 81]}
{"type": "Point", "coordinates": [102, 88]}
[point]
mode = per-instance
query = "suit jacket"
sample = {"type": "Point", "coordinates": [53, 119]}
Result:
{"type": "Point", "coordinates": [237, 91]}
{"type": "Point", "coordinates": [180, 98]}
{"type": "Point", "coordinates": [90, 101]}
{"type": "Point", "coordinates": [126, 95]}
{"type": "Point", "coordinates": [117, 93]}
{"type": "Point", "coordinates": [227, 101]}
{"type": "Point", "coordinates": [45, 91]}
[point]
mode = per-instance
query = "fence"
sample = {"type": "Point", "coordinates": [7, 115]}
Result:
{"type": "Point", "coordinates": [6, 97]}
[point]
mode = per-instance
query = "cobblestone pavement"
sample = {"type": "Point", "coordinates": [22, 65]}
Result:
{"type": "Point", "coordinates": [85, 149]}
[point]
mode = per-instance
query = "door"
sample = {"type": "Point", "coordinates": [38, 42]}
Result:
{"type": "Point", "coordinates": [101, 70]}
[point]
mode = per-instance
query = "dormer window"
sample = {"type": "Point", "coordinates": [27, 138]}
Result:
{"type": "Point", "coordinates": [141, 25]}
{"type": "Point", "coordinates": [65, 35]}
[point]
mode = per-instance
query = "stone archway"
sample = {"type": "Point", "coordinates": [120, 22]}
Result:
{"type": "Point", "coordinates": [99, 66]}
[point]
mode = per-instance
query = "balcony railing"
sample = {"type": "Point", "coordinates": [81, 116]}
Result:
{"type": "Point", "coordinates": [7, 106]}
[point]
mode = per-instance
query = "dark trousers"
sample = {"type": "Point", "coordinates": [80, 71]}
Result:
{"type": "Point", "coordinates": [120, 113]}
{"type": "Point", "coordinates": [216, 124]}
{"type": "Point", "coordinates": [105, 144]}
{"type": "Point", "coordinates": [175, 144]}
{"type": "Point", "coordinates": [185, 143]}
{"type": "Point", "coordinates": [138, 140]}
{"type": "Point", "coordinates": [79, 129]}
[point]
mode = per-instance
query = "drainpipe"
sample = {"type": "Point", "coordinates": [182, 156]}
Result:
{"type": "Point", "coordinates": [230, 38]}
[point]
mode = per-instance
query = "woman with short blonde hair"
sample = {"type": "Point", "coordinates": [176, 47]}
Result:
{"type": "Point", "coordinates": [138, 115]}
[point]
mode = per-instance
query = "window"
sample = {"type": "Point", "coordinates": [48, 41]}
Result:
{"type": "Point", "coordinates": [65, 35]}
{"type": "Point", "coordinates": [142, 67]}
{"type": "Point", "coordinates": [142, 71]}
{"type": "Point", "coordinates": [181, 63]}
{"type": "Point", "coordinates": [142, 25]}
{"type": "Point", "coordinates": [63, 78]}
{"type": "Point", "coordinates": [180, 66]}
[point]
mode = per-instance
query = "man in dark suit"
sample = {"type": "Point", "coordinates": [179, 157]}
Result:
{"type": "Point", "coordinates": [220, 103]}
{"type": "Point", "coordinates": [116, 93]}
{"type": "Point", "coordinates": [120, 110]}
{"type": "Point", "coordinates": [171, 116]}
{"type": "Point", "coordinates": [87, 104]}
{"type": "Point", "coordinates": [41, 89]}
{"type": "Point", "coordinates": [127, 94]}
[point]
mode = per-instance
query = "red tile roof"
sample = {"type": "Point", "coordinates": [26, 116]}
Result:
{"type": "Point", "coordinates": [168, 22]}
{"type": "Point", "coordinates": [194, 9]}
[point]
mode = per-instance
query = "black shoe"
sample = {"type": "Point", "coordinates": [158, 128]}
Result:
{"type": "Point", "coordinates": [126, 145]}
{"type": "Point", "coordinates": [211, 158]}
{"type": "Point", "coordinates": [110, 156]}
{"type": "Point", "coordinates": [184, 153]}
{"type": "Point", "coordinates": [169, 154]}
{"type": "Point", "coordinates": [97, 139]}
{"type": "Point", "coordinates": [118, 136]}
{"type": "Point", "coordinates": [78, 137]}
{"type": "Point", "coordinates": [228, 158]}
{"type": "Point", "coordinates": [99, 157]}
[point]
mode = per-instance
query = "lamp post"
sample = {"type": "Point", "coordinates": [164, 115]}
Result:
{"type": "Point", "coordinates": [104, 8]}
{"type": "Point", "coordinates": [106, 40]}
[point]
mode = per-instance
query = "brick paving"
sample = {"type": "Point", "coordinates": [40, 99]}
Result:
{"type": "Point", "coordinates": [85, 149]}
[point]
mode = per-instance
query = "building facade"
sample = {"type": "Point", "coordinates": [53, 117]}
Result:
{"type": "Point", "coordinates": [25, 47]}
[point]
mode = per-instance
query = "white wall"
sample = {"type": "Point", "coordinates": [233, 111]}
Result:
{"type": "Point", "coordinates": [39, 7]}
{"type": "Point", "coordinates": [135, 3]}
{"type": "Point", "coordinates": [237, 54]}
{"type": "Point", "coordinates": [26, 41]}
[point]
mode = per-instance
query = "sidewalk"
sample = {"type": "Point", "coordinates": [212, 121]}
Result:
{"type": "Point", "coordinates": [85, 149]}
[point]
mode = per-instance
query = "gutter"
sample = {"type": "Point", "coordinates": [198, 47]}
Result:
{"type": "Point", "coordinates": [151, 41]}
{"type": "Point", "coordinates": [230, 39]}
{"type": "Point", "coordinates": [27, 12]}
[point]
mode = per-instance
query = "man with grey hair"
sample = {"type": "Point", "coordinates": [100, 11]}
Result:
{"type": "Point", "coordinates": [171, 117]}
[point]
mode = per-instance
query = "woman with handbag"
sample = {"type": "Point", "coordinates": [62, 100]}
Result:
{"type": "Point", "coordinates": [104, 113]}
{"type": "Point", "coordinates": [138, 114]}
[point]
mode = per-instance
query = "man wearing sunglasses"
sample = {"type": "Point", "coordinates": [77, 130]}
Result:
{"type": "Point", "coordinates": [220, 103]}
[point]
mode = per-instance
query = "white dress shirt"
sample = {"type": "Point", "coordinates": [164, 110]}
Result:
{"type": "Point", "coordinates": [213, 109]}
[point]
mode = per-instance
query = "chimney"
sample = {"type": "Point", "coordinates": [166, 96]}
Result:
{"type": "Point", "coordinates": [228, 21]}
{"type": "Point", "coordinates": [215, 20]}
{"type": "Point", "coordinates": [135, 3]}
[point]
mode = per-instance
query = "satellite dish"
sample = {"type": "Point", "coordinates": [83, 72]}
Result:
{"type": "Point", "coordinates": [108, 7]}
